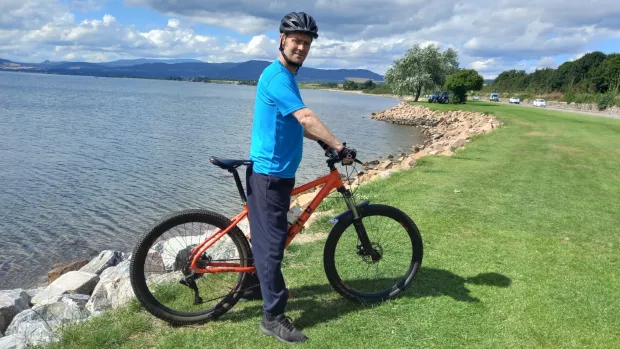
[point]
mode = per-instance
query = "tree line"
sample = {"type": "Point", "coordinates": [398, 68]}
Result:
{"type": "Point", "coordinates": [594, 72]}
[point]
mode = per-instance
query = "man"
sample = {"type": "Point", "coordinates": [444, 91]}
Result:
{"type": "Point", "coordinates": [281, 120]}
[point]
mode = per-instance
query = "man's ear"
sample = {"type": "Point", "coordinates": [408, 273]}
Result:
{"type": "Point", "coordinates": [282, 39]}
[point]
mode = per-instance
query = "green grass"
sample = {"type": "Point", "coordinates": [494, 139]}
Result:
{"type": "Point", "coordinates": [317, 86]}
{"type": "Point", "coordinates": [522, 250]}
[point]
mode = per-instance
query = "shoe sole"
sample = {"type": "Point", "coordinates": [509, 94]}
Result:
{"type": "Point", "coordinates": [271, 333]}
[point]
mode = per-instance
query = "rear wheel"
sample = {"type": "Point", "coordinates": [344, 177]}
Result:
{"type": "Point", "coordinates": [160, 275]}
{"type": "Point", "coordinates": [393, 235]}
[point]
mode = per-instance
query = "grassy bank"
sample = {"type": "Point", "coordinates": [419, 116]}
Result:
{"type": "Point", "coordinates": [522, 250]}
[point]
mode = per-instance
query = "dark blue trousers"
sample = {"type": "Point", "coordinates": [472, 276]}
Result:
{"type": "Point", "coordinates": [269, 199]}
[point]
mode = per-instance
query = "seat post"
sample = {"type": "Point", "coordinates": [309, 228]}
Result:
{"type": "Point", "coordinates": [239, 185]}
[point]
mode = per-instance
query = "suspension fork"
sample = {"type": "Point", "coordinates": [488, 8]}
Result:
{"type": "Point", "coordinates": [367, 249]}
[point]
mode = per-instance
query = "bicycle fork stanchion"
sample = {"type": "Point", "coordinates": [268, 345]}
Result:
{"type": "Point", "coordinates": [367, 249]}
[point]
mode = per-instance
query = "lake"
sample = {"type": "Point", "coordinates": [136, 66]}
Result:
{"type": "Point", "coordinates": [88, 164]}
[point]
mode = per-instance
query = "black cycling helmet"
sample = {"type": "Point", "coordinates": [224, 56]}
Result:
{"type": "Point", "coordinates": [299, 22]}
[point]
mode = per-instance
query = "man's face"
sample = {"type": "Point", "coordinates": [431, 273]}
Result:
{"type": "Point", "coordinates": [296, 46]}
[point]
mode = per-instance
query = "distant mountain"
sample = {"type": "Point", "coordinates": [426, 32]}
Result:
{"type": "Point", "coordinates": [249, 70]}
{"type": "Point", "coordinates": [2, 61]}
{"type": "Point", "coordinates": [130, 62]}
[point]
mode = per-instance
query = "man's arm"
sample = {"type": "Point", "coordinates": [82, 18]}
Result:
{"type": "Point", "coordinates": [315, 129]}
{"type": "Point", "coordinates": [309, 136]}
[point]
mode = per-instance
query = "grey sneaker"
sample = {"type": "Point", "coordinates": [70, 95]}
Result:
{"type": "Point", "coordinates": [282, 328]}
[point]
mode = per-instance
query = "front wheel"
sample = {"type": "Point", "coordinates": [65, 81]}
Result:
{"type": "Point", "coordinates": [354, 274]}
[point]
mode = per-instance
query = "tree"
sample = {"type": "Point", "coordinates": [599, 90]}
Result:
{"type": "Point", "coordinates": [349, 85]}
{"type": "Point", "coordinates": [462, 81]}
{"type": "Point", "coordinates": [541, 80]}
{"type": "Point", "coordinates": [368, 85]}
{"type": "Point", "coordinates": [511, 81]}
{"type": "Point", "coordinates": [421, 69]}
{"type": "Point", "coordinates": [611, 72]}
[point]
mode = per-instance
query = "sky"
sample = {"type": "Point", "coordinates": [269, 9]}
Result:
{"type": "Point", "coordinates": [489, 36]}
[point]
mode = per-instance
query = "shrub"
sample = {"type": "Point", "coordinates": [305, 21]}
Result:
{"type": "Point", "coordinates": [605, 100]}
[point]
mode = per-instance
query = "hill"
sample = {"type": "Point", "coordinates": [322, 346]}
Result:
{"type": "Point", "coordinates": [130, 62]}
{"type": "Point", "coordinates": [249, 70]}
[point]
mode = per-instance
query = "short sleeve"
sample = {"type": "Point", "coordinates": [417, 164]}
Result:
{"type": "Point", "coordinates": [283, 91]}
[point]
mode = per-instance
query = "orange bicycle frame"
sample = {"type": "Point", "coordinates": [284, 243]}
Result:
{"type": "Point", "coordinates": [331, 181]}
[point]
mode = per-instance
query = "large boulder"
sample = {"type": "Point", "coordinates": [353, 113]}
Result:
{"type": "Point", "coordinates": [105, 259]}
{"type": "Point", "coordinates": [65, 268]}
{"type": "Point", "coordinates": [38, 325]}
{"type": "Point", "coordinates": [12, 302]}
{"type": "Point", "coordinates": [13, 342]}
{"type": "Point", "coordinates": [113, 290]}
{"type": "Point", "coordinates": [71, 282]}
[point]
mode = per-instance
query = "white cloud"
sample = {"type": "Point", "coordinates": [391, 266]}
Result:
{"type": "Point", "coordinates": [484, 65]}
{"type": "Point", "coordinates": [489, 36]}
{"type": "Point", "coordinates": [577, 56]}
{"type": "Point", "coordinates": [546, 62]}
{"type": "Point", "coordinates": [173, 23]}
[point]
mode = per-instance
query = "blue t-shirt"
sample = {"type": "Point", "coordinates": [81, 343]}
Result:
{"type": "Point", "coordinates": [277, 136]}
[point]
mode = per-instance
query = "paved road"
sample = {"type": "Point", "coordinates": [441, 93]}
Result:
{"type": "Point", "coordinates": [606, 115]}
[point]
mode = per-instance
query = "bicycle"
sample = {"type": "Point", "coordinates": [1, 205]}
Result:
{"type": "Point", "coordinates": [209, 263]}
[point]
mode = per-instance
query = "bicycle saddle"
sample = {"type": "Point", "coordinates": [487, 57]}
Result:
{"type": "Point", "coordinates": [228, 164]}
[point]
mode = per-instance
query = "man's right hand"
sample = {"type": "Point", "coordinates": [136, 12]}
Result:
{"type": "Point", "coordinates": [347, 154]}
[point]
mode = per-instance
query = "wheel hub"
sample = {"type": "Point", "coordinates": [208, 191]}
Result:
{"type": "Point", "coordinates": [367, 257]}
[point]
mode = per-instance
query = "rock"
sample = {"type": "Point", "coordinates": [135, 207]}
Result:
{"type": "Point", "coordinates": [154, 263]}
{"type": "Point", "coordinates": [387, 173]}
{"type": "Point", "coordinates": [390, 156]}
{"type": "Point", "coordinates": [71, 266]}
{"type": "Point", "coordinates": [12, 302]}
{"type": "Point", "coordinates": [105, 259]}
{"type": "Point", "coordinates": [79, 299]}
{"type": "Point", "coordinates": [113, 290]}
{"type": "Point", "coordinates": [38, 324]}
{"type": "Point", "coordinates": [71, 282]}
{"type": "Point", "coordinates": [13, 342]}
{"type": "Point", "coordinates": [409, 161]}
{"type": "Point", "coordinates": [384, 165]}
{"type": "Point", "coordinates": [486, 128]}
{"type": "Point", "coordinates": [459, 143]}
{"type": "Point", "coordinates": [34, 291]}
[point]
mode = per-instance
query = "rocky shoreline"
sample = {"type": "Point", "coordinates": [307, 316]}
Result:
{"type": "Point", "coordinates": [82, 289]}
{"type": "Point", "coordinates": [445, 132]}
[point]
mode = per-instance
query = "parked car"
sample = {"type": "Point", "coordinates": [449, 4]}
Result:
{"type": "Point", "coordinates": [514, 100]}
{"type": "Point", "coordinates": [494, 97]}
{"type": "Point", "coordinates": [476, 98]}
{"type": "Point", "coordinates": [539, 102]}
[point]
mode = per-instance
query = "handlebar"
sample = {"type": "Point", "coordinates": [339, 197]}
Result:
{"type": "Point", "coordinates": [332, 153]}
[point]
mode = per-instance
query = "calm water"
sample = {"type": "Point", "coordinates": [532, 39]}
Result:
{"type": "Point", "coordinates": [88, 164]}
